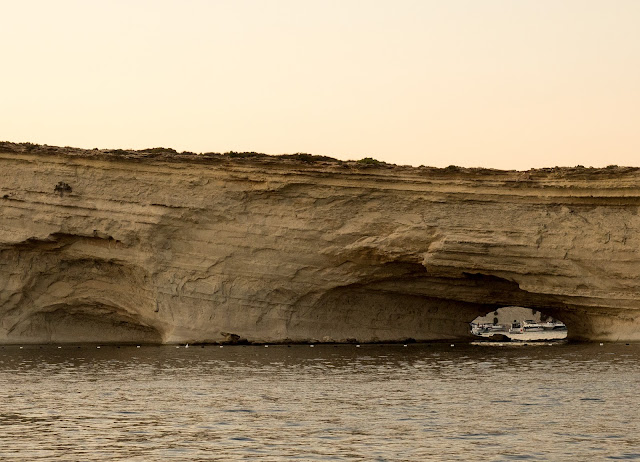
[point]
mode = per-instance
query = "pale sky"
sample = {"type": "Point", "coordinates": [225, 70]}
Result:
{"type": "Point", "coordinates": [492, 83]}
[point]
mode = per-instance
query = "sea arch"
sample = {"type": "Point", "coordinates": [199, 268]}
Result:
{"type": "Point", "coordinates": [427, 308]}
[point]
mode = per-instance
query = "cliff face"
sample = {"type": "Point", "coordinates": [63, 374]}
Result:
{"type": "Point", "coordinates": [157, 248]}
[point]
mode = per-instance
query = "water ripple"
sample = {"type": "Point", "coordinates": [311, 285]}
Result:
{"type": "Point", "coordinates": [377, 402]}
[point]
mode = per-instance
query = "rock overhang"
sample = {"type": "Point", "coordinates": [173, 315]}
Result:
{"type": "Point", "coordinates": [196, 248]}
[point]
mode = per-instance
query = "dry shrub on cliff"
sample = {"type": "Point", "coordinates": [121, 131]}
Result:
{"type": "Point", "coordinates": [370, 161]}
{"type": "Point", "coordinates": [18, 147]}
{"type": "Point", "coordinates": [62, 188]}
{"type": "Point", "coordinates": [243, 155]}
{"type": "Point", "coordinates": [30, 146]}
{"type": "Point", "coordinates": [119, 152]}
{"type": "Point", "coordinates": [304, 157]}
{"type": "Point", "coordinates": [159, 150]}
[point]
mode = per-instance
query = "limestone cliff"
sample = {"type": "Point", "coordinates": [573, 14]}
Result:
{"type": "Point", "coordinates": [123, 246]}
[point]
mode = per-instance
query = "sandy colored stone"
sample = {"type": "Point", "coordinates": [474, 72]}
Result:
{"type": "Point", "coordinates": [98, 246]}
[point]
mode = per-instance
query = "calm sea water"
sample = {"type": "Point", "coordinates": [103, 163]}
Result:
{"type": "Point", "coordinates": [373, 403]}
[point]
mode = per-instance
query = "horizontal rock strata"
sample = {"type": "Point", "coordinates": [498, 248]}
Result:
{"type": "Point", "coordinates": [133, 247]}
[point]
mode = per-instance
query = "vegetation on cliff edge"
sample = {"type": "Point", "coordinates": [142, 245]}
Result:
{"type": "Point", "coordinates": [366, 162]}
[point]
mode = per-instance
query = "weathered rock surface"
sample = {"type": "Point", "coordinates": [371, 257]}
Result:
{"type": "Point", "coordinates": [178, 248]}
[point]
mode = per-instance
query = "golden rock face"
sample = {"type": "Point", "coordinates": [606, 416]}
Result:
{"type": "Point", "coordinates": [150, 247]}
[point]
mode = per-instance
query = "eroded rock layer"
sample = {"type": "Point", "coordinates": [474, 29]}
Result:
{"type": "Point", "coordinates": [131, 247]}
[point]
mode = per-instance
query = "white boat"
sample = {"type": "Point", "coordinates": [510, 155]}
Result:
{"type": "Point", "coordinates": [554, 325]}
{"type": "Point", "coordinates": [529, 325]}
{"type": "Point", "coordinates": [481, 329]}
{"type": "Point", "coordinates": [496, 328]}
{"type": "Point", "coordinates": [478, 329]}
{"type": "Point", "coordinates": [525, 326]}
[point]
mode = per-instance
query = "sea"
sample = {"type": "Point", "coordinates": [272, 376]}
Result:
{"type": "Point", "coordinates": [380, 402]}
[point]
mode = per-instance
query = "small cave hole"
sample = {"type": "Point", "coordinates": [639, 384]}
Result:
{"type": "Point", "coordinates": [516, 323]}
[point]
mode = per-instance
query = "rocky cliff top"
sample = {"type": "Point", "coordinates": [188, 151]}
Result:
{"type": "Point", "coordinates": [314, 162]}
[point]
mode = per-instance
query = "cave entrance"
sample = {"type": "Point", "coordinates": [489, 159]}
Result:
{"type": "Point", "coordinates": [83, 323]}
{"type": "Point", "coordinates": [519, 324]}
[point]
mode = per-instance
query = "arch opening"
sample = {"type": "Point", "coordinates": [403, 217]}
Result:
{"type": "Point", "coordinates": [517, 323]}
{"type": "Point", "coordinates": [424, 307]}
